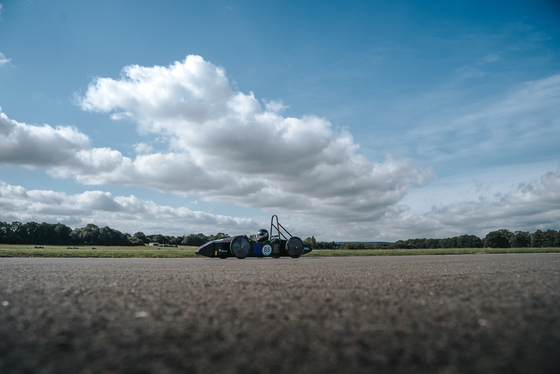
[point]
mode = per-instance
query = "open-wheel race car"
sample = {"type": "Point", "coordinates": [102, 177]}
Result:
{"type": "Point", "coordinates": [240, 246]}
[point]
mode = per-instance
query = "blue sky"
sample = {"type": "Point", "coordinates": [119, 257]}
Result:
{"type": "Point", "coordinates": [351, 120]}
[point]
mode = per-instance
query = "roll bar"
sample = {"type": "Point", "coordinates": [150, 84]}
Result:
{"type": "Point", "coordinates": [278, 226]}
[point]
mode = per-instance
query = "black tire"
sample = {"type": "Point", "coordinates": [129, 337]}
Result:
{"type": "Point", "coordinates": [294, 247]}
{"type": "Point", "coordinates": [240, 246]}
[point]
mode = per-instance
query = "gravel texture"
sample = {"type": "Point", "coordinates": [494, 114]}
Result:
{"type": "Point", "coordinates": [412, 314]}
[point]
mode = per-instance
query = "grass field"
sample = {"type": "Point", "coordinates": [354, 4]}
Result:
{"type": "Point", "coordinates": [414, 252]}
{"type": "Point", "coordinates": [89, 251]}
{"type": "Point", "coordinates": [183, 251]}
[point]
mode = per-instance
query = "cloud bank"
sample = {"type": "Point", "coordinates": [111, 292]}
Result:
{"type": "Point", "coordinates": [126, 213]}
{"type": "Point", "coordinates": [530, 206]}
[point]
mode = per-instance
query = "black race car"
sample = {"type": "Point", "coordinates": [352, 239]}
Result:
{"type": "Point", "coordinates": [241, 246]}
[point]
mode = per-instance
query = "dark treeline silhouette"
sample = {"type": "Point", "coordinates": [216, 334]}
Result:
{"type": "Point", "coordinates": [60, 234]}
{"type": "Point", "coordinates": [495, 239]}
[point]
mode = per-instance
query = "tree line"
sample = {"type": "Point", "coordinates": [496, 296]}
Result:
{"type": "Point", "coordinates": [494, 239]}
{"type": "Point", "coordinates": [60, 234]}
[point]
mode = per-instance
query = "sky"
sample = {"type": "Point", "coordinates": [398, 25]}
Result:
{"type": "Point", "coordinates": [352, 121]}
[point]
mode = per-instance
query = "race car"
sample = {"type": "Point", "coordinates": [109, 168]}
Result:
{"type": "Point", "coordinates": [241, 246]}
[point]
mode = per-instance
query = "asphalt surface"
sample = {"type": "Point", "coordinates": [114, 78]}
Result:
{"type": "Point", "coordinates": [421, 314]}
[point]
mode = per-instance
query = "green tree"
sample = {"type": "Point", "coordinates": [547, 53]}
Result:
{"type": "Point", "coordinates": [158, 238]}
{"type": "Point", "coordinates": [469, 241]}
{"type": "Point", "coordinates": [17, 235]}
{"type": "Point", "coordinates": [62, 233]}
{"type": "Point", "coordinates": [448, 243]}
{"type": "Point", "coordinates": [218, 236]}
{"type": "Point", "coordinates": [556, 242]}
{"type": "Point", "coordinates": [140, 236]}
{"type": "Point", "coordinates": [548, 238]}
{"type": "Point", "coordinates": [310, 241]}
{"type": "Point", "coordinates": [47, 234]}
{"type": "Point", "coordinates": [5, 233]}
{"type": "Point", "coordinates": [497, 239]}
{"type": "Point", "coordinates": [195, 239]}
{"type": "Point", "coordinates": [537, 239]}
{"type": "Point", "coordinates": [90, 234]}
{"type": "Point", "coordinates": [520, 239]}
{"type": "Point", "coordinates": [432, 243]}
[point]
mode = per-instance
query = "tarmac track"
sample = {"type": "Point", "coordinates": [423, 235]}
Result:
{"type": "Point", "coordinates": [424, 314]}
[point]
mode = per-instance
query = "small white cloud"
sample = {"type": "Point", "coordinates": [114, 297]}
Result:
{"type": "Point", "coordinates": [275, 106]}
{"type": "Point", "coordinates": [489, 58]}
{"type": "Point", "coordinates": [143, 148]}
{"type": "Point", "coordinates": [121, 116]}
{"type": "Point", "coordinates": [3, 59]}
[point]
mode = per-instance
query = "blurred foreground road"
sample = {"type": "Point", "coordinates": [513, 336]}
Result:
{"type": "Point", "coordinates": [424, 314]}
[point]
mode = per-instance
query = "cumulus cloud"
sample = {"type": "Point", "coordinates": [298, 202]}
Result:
{"type": "Point", "coordinates": [126, 213]}
{"type": "Point", "coordinates": [38, 146]}
{"type": "Point", "coordinates": [225, 146]}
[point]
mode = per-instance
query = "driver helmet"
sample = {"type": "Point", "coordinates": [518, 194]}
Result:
{"type": "Point", "coordinates": [262, 235]}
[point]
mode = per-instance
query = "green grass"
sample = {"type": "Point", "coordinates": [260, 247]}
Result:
{"type": "Point", "coordinates": [183, 251]}
{"type": "Point", "coordinates": [88, 251]}
{"type": "Point", "coordinates": [414, 252]}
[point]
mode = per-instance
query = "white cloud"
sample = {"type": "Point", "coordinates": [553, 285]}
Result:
{"type": "Point", "coordinates": [143, 148]}
{"type": "Point", "coordinates": [125, 213]}
{"type": "Point", "coordinates": [489, 58]}
{"type": "Point", "coordinates": [38, 146]}
{"type": "Point", "coordinates": [3, 59]}
{"type": "Point", "coordinates": [528, 206]}
{"type": "Point", "coordinates": [225, 146]}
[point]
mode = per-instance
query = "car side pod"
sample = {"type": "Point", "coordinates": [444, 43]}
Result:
{"type": "Point", "coordinates": [275, 244]}
{"type": "Point", "coordinates": [294, 247]}
{"type": "Point", "coordinates": [240, 246]}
